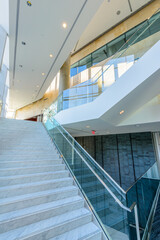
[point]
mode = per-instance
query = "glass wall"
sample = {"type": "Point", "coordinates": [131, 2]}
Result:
{"type": "Point", "coordinates": [112, 47]}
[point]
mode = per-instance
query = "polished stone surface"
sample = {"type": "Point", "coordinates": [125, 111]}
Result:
{"type": "Point", "coordinates": [38, 197]}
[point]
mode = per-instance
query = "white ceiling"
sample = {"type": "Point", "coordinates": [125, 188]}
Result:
{"type": "Point", "coordinates": [106, 17]}
{"type": "Point", "coordinates": [40, 27]}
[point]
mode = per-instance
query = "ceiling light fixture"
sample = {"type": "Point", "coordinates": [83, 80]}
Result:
{"type": "Point", "coordinates": [121, 112]}
{"type": "Point", "coordinates": [43, 74]}
{"type": "Point", "coordinates": [118, 12]}
{"type": "Point", "coordinates": [29, 3]}
{"type": "Point", "coordinates": [64, 25]}
{"type": "Point", "coordinates": [51, 56]}
{"type": "Point", "coordinates": [37, 86]}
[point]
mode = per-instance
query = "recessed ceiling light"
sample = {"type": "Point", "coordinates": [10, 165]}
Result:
{"type": "Point", "coordinates": [88, 126]}
{"type": "Point", "coordinates": [64, 25]}
{"type": "Point", "coordinates": [118, 12]}
{"type": "Point", "coordinates": [37, 86]}
{"type": "Point", "coordinates": [29, 3]}
{"type": "Point", "coordinates": [43, 74]}
{"type": "Point", "coordinates": [51, 55]}
{"type": "Point", "coordinates": [121, 112]}
{"type": "Point", "coordinates": [24, 43]}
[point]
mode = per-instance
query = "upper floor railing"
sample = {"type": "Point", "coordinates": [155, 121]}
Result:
{"type": "Point", "coordinates": [113, 68]}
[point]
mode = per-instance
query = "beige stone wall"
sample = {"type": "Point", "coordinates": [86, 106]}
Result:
{"type": "Point", "coordinates": [117, 31]}
{"type": "Point", "coordinates": [36, 108]}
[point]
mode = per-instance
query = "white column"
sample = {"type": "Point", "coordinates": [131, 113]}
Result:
{"type": "Point", "coordinates": [64, 81]}
{"type": "Point", "coordinates": [3, 38]}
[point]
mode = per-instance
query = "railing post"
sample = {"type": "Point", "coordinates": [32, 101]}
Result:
{"type": "Point", "coordinates": [137, 222]}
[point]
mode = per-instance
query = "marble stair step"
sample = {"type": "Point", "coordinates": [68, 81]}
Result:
{"type": "Point", "coordinates": [94, 236]}
{"type": "Point", "coordinates": [24, 151]}
{"type": "Point", "coordinates": [15, 190]}
{"type": "Point", "coordinates": [28, 178]}
{"type": "Point", "coordinates": [29, 170]}
{"type": "Point", "coordinates": [30, 157]}
{"type": "Point", "coordinates": [26, 142]}
{"type": "Point", "coordinates": [51, 227]}
{"type": "Point", "coordinates": [29, 163]}
{"type": "Point", "coordinates": [26, 148]}
{"type": "Point", "coordinates": [26, 216]}
{"type": "Point", "coordinates": [36, 198]}
{"type": "Point", "coordinates": [25, 136]}
{"type": "Point", "coordinates": [85, 232]}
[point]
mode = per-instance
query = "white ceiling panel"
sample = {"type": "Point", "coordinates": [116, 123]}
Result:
{"type": "Point", "coordinates": [109, 14]}
{"type": "Point", "coordinates": [40, 28]}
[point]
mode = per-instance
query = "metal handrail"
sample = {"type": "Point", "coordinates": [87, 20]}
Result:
{"type": "Point", "coordinates": [112, 57]}
{"type": "Point", "coordinates": [83, 193]}
{"type": "Point", "coordinates": [105, 173]}
{"type": "Point", "coordinates": [152, 213]}
{"type": "Point", "coordinates": [128, 209]}
{"type": "Point", "coordinates": [103, 183]}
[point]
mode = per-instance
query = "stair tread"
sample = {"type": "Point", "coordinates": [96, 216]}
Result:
{"type": "Point", "coordinates": [12, 169]}
{"type": "Point", "coordinates": [38, 208]}
{"type": "Point", "coordinates": [38, 197]}
{"type": "Point", "coordinates": [31, 161]}
{"type": "Point", "coordinates": [31, 175]}
{"type": "Point", "coordinates": [43, 225]}
{"type": "Point", "coordinates": [34, 184]}
{"type": "Point", "coordinates": [33, 195]}
{"type": "Point", "coordinates": [79, 233]}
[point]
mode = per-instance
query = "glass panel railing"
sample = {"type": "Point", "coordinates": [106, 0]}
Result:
{"type": "Point", "coordinates": [146, 35]}
{"type": "Point", "coordinates": [148, 232]}
{"type": "Point", "coordinates": [137, 45]}
{"type": "Point", "coordinates": [105, 198]}
{"type": "Point", "coordinates": [143, 192]}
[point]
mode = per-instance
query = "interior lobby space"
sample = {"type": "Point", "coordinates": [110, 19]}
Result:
{"type": "Point", "coordinates": [80, 120]}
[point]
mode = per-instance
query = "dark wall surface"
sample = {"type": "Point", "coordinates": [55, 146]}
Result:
{"type": "Point", "coordinates": [126, 157]}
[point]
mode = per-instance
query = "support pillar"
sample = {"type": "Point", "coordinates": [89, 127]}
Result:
{"type": "Point", "coordinates": [64, 80]}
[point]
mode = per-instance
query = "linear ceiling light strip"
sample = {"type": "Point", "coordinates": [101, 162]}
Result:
{"type": "Point", "coordinates": [62, 45]}
{"type": "Point", "coordinates": [16, 38]}
{"type": "Point", "coordinates": [130, 6]}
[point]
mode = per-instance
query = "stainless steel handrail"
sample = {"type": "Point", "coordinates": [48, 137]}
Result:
{"type": "Point", "coordinates": [84, 195]}
{"type": "Point", "coordinates": [113, 57]}
{"type": "Point", "coordinates": [133, 206]}
{"type": "Point", "coordinates": [151, 215]}
{"type": "Point", "coordinates": [103, 183]}
{"type": "Point", "coordinates": [130, 209]}
{"type": "Point", "coordinates": [105, 173]}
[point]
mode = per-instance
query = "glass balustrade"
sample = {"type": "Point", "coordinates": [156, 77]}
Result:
{"type": "Point", "coordinates": [114, 208]}
{"type": "Point", "coordinates": [143, 193]}
{"type": "Point", "coordinates": [105, 197]}
{"type": "Point", "coordinates": [136, 46]}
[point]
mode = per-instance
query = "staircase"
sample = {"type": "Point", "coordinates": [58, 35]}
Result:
{"type": "Point", "coordinates": [38, 198]}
